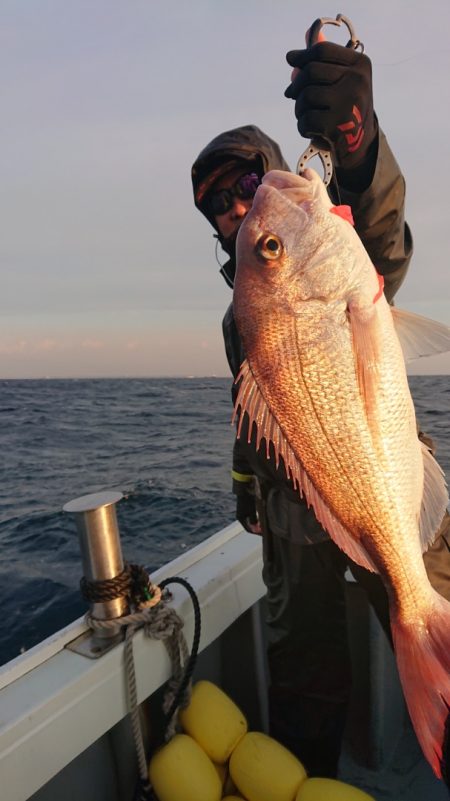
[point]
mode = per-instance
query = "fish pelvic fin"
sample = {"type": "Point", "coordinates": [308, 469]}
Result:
{"type": "Point", "coordinates": [434, 499]}
{"type": "Point", "coordinates": [423, 659]}
{"type": "Point", "coordinates": [251, 401]}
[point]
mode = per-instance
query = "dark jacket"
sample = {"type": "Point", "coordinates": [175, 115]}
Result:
{"type": "Point", "coordinates": [379, 220]}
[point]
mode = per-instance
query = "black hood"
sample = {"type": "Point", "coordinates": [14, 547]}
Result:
{"type": "Point", "coordinates": [245, 144]}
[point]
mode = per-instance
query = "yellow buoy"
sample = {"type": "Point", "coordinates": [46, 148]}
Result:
{"type": "Point", "coordinates": [213, 720]}
{"type": "Point", "coordinates": [181, 771]}
{"type": "Point", "coordinates": [326, 789]}
{"type": "Point", "coordinates": [264, 770]}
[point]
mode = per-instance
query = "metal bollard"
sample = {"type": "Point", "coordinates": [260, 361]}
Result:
{"type": "Point", "coordinates": [101, 553]}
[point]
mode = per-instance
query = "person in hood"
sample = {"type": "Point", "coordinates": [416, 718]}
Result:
{"type": "Point", "coordinates": [308, 651]}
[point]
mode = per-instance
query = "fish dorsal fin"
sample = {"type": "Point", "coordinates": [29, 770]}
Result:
{"type": "Point", "coordinates": [250, 400]}
{"type": "Point", "coordinates": [434, 499]}
{"type": "Point", "coordinates": [418, 335]}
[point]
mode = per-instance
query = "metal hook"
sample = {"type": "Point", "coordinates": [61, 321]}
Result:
{"type": "Point", "coordinates": [324, 156]}
{"type": "Point", "coordinates": [317, 26]}
{"type": "Point", "coordinates": [318, 148]}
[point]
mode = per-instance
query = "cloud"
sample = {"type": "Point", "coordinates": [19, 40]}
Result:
{"type": "Point", "coordinates": [92, 344]}
{"type": "Point", "coordinates": [25, 346]}
{"type": "Point", "coordinates": [48, 345]}
{"type": "Point", "coordinates": [9, 348]}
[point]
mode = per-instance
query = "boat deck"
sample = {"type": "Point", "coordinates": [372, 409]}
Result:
{"type": "Point", "coordinates": [64, 728]}
{"type": "Point", "coordinates": [406, 777]}
{"type": "Point", "coordinates": [381, 753]}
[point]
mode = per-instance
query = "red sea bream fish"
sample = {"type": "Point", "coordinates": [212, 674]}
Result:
{"type": "Point", "coordinates": [325, 384]}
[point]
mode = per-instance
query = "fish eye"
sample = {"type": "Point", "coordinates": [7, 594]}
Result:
{"type": "Point", "coordinates": [269, 246]}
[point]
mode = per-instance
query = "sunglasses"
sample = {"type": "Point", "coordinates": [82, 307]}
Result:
{"type": "Point", "coordinates": [245, 187]}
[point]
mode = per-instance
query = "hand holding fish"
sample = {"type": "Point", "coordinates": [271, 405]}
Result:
{"type": "Point", "coordinates": [332, 89]}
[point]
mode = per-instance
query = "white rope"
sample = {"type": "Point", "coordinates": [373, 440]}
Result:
{"type": "Point", "coordinates": [159, 623]}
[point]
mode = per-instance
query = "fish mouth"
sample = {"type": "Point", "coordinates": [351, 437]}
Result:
{"type": "Point", "coordinates": [279, 193]}
{"type": "Point", "coordinates": [283, 178]}
{"type": "Point", "coordinates": [297, 190]}
{"type": "Point", "coordinates": [282, 196]}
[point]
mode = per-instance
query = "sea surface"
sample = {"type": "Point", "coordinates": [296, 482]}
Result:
{"type": "Point", "coordinates": [164, 443]}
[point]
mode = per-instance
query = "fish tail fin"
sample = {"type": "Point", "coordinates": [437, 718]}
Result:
{"type": "Point", "coordinates": [423, 659]}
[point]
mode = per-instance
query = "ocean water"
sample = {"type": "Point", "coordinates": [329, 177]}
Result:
{"type": "Point", "coordinates": [164, 443]}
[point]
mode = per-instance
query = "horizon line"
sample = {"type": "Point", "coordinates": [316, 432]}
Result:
{"type": "Point", "coordinates": [153, 377]}
{"type": "Point", "coordinates": [110, 377]}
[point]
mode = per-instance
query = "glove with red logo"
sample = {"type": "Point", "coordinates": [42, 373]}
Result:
{"type": "Point", "coordinates": [332, 90]}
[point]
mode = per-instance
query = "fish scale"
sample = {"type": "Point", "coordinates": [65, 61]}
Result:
{"type": "Point", "coordinates": [323, 407]}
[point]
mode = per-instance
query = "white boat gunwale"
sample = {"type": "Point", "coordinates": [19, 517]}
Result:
{"type": "Point", "coordinates": [53, 691]}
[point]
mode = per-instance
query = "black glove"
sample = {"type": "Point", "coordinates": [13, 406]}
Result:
{"type": "Point", "coordinates": [333, 100]}
{"type": "Point", "coordinates": [246, 510]}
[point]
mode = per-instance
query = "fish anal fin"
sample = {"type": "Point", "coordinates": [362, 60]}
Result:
{"type": "Point", "coordinates": [337, 531]}
{"type": "Point", "coordinates": [251, 401]}
{"type": "Point", "coordinates": [434, 499]}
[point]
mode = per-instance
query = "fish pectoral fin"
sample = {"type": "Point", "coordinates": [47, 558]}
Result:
{"type": "Point", "coordinates": [364, 324]}
{"type": "Point", "coordinates": [250, 400]}
{"type": "Point", "coordinates": [420, 336]}
{"type": "Point", "coordinates": [434, 499]}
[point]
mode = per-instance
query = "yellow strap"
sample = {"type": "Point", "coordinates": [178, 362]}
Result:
{"type": "Point", "coordinates": [245, 477]}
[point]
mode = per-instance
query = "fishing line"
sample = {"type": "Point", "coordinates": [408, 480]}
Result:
{"type": "Point", "coordinates": [410, 58]}
{"type": "Point", "coordinates": [216, 252]}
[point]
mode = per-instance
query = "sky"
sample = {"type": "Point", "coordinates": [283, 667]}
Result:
{"type": "Point", "coordinates": [107, 269]}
